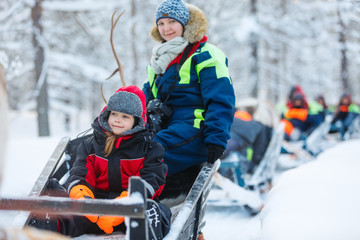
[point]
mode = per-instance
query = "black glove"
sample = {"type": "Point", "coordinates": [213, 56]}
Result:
{"type": "Point", "coordinates": [215, 152]}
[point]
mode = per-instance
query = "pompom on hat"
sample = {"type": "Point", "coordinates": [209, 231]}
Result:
{"type": "Point", "coordinates": [175, 9]}
{"type": "Point", "coordinates": [130, 100]}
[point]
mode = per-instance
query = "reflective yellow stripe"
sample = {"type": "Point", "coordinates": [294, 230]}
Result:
{"type": "Point", "coordinates": [216, 56]}
{"type": "Point", "coordinates": [198, 117]}
{"type": "Point", "coordinates": [217, 60]}
{"type": "Point", "coordinates": [184, 72]}
{"type": "Point", "coordinates": [151, 77]}
{"type": "Point", "coordinates": [249, 153]}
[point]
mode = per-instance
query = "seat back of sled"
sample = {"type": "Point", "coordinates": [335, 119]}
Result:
{"type": "Point", "coordinates": [265, 171]}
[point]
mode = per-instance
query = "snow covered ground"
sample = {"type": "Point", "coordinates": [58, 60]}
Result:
{"type": "Point", "coordinates": [319, 200]}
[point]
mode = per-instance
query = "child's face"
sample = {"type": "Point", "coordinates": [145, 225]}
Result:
{"type": "Point", "coordinates": [169, 28]}
{"type": "Point", "coordinates": [120, 122]}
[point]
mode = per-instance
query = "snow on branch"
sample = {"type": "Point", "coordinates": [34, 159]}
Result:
{"type": "Point", "coordinates": [68, 61]}
{"type": "Point", "coordinates": [80, 5]}
{"type": "Point", "coordinates": [18, 5]}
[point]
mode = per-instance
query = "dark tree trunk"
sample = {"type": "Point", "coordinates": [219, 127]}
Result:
{"type": "Point", "coordinates": [254, 41]}
{"type": "Point", "coordinates": [42, 94]}
{"type": "Point", "coordinates": [343, 49]}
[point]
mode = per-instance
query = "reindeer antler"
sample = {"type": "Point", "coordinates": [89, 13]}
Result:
{"type": "Point", "coordinates": [120, 66]}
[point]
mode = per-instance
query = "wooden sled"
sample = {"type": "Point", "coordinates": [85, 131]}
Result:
{"type": "Point", "coordinates": [185, 226]}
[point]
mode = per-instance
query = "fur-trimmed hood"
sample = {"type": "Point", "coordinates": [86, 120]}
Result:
{"type": "Point", "coordinates": [194, 30]}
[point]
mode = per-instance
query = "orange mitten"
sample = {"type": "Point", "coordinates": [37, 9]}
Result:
{"type": "Point", "coordinates": [107, 223]}
{"type": "Point", "coordinates": [82, 192]}
{"type": "Point", "coordinates": [123, 194]}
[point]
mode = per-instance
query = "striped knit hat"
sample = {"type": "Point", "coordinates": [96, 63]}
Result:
{"type": "Point", "coordinates": [174, 9]}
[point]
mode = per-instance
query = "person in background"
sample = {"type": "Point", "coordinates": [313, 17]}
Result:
{"type": "Point", "coordinates": [345, 113]}
{"type": "Point", "coordinates": [323, 107]}
{"type": "Point", "coordinates": [321, 100]}
{"type": "Point", "coordinates": [249, 138]}
{"type": "Point", "coordinates": [296, 90]}
{"type": "Point", "coordinates": [120, 147]}
{"type": "Point", "coordinates": [314, 107]}
{"type": "Point", "coordinates": [299, 122]}
{"type": "Point", "coordinates": [317, 108]}
{"type": "Point", "coordinates": [189, 92]}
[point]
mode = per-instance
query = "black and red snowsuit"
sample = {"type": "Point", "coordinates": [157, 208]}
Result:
{"type": "Point", "coordinates": [134, 153]}
{"type": "Point", "coordinates": [107, 177]}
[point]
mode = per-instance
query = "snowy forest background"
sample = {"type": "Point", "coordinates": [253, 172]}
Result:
{"type": "Point", "coordinates": [56, 54]}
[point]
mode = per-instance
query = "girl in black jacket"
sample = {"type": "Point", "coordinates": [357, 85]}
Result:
{"type": "Point", "coordinates": [119, 148]}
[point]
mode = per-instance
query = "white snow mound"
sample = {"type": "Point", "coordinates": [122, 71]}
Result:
{"type": "Point", "coordinates": [319, 200]}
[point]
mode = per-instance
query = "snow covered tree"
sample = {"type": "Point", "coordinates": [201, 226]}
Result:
{"type": "Point", "coordinates": [271, 45]}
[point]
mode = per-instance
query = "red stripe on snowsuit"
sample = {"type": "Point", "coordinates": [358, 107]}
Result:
{"type": "Point", "coordinates": [159, 191]}
{"type": "Point", "coordinates": [97, 174]}
{"type": "Point", "coordinates": [130, 167]}
{"type": "Point", "coordinates": [90, 175]}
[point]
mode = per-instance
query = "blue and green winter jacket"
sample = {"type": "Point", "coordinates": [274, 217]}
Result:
{"type": "Point", "coordinates": [201, 96]}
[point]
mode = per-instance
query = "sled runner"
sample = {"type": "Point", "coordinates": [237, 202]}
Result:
{"type": "Point", "coordinates": [306, 150]}
{"type": "Point", "coordinates": [186, 225]}
{"type": "Point", "coordinates": [316, 142]}
{"type": "Point", "coordinates": [353, 130]}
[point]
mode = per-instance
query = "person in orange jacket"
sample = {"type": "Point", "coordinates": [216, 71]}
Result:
{"type": "Point", "coordinates": [299, 123]}
{"type": "Point", "coordinates": [121, 147]}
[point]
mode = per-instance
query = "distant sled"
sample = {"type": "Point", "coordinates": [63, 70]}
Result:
{"type": "Point", "coordinates": [316, 142]}
{"type": "Point", "coordinates": [353, 130]}
{"type": "Point", "coordinates": [307, 150]}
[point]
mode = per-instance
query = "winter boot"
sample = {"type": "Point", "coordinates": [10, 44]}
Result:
{"type": "Point", "coordinates": [153, 215]}
{"type": "Point", "coordinates": [55, 189]}
{"type": "Point", "coordinates": [45, 222]}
